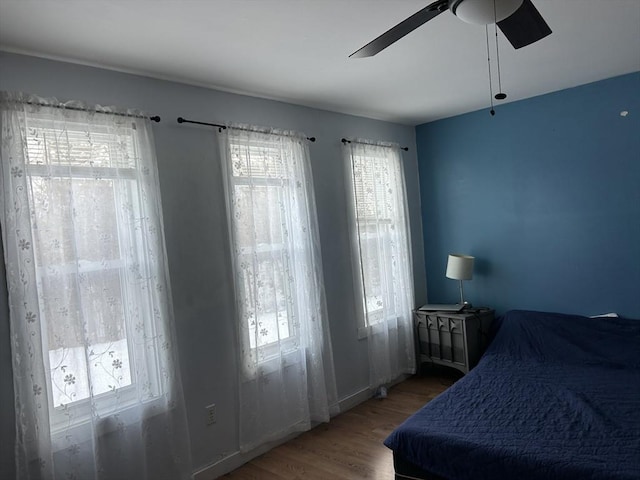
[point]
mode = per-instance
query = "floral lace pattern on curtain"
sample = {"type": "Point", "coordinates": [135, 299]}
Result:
{"type": "Point", "coordinates": [381, 257]}
{"type": "Point", "coordinates": [95, 373]}
{"type": "Point", "coordinates": [286, 376]}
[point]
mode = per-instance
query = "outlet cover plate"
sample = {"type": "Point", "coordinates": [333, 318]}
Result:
{"type": "Point", "coordinates": [211, 414]}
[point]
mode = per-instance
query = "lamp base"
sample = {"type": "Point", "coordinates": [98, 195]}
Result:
{"type": "Point", "coordinates": [462, 301]}
{"type": "Point", "coordinates": [464, 305]}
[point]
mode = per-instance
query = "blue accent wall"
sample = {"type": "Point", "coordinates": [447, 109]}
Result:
{"type": "Point", "coordinates": [546, 196]}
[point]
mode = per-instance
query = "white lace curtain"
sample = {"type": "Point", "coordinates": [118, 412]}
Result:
{"type": "Point", "coordinates": [97, 389]}
{"type": "Point", "coordinates": [286, 367]}
{"type": "Point", "coordinates": [381, 254]}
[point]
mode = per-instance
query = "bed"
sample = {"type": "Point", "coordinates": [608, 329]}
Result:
{"type": "Point", "coordinates": [554, 397]}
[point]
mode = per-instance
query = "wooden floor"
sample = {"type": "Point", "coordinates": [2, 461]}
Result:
{"type": "Point", "coordinates": [350, 446]}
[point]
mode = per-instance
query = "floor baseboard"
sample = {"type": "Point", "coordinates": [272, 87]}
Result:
{"type": "Point", "coordinates": [237, 459]}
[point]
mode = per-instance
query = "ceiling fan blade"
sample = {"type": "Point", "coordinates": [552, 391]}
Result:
{"type": "Point", "coordinates": [401, 29]}
{"type": "Point", "coordinates": [525, 26]}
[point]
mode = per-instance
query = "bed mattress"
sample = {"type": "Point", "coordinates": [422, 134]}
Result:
{"type": "Point", "coordinates": [554, 397]}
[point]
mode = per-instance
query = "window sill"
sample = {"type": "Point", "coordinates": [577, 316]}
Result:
{"type": "Point", "coordinates": [88, 427]}
{"type": "Point", "coordinates": [276, 363]}
{"type": "Point", "coordinates": [390, 324]}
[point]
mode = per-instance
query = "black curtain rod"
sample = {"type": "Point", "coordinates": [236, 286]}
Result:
{"type": "Point", "coordinates": [222, 127]}
{"type": "Point", "coordinates": [154, 118]}
{"type": "Point", "coordinates": [344, 140]}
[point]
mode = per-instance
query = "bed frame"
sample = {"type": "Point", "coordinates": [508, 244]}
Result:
{"type": "Point", "coordinates": [406, 470]}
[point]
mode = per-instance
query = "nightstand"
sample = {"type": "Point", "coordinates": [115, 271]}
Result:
{"type": "Point", "coordinates": [455, 340]}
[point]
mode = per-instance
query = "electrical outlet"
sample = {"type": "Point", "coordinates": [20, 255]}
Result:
{"type": "Point", "coordinates": [211, 414]}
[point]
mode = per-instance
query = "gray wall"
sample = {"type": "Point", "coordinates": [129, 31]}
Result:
{"type": "Point", "coordinates": [196, 229]}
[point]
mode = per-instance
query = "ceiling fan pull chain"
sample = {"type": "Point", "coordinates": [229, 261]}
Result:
{"type": "Point", "coordinates": [486, 31]}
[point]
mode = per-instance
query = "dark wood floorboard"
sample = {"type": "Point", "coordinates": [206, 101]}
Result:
{"type": "Point", "coordinates": [349, 447]}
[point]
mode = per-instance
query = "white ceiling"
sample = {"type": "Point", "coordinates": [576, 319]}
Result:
{"type": "Point", "coordinates": [297, 50]}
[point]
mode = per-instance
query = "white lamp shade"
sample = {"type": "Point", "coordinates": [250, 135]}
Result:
{"type": "Point", "coordinates": [460, 267]}
{"type": "Point", "coordinates": [481, 12]}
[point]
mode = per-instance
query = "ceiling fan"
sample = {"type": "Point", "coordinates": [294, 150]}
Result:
{"type": "Point", "coordinates": [519, 21]}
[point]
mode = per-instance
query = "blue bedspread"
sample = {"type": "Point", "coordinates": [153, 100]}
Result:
{"type": "Point", "coordinates": [554, 397]}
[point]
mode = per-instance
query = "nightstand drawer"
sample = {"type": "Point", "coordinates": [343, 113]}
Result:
{"type": "Point", "coordinates": [452, 339]}
{"type": "Point", "coordinates": [442, 338]}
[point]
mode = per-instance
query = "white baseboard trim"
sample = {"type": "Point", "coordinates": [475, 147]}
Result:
{"type": "Point", "coordinates": [365, 394]}
{"type": "Point", "coordinates": [237, 459]}
{"type": "Point", "coordinates": [354, 399]}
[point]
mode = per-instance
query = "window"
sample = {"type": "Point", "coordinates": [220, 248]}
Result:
{"type": "Point", "coordinates": [380, 234]}
{"type": "Point", "coordinates": [96, 287]}
{"type": "Point", "coordinates": [94, 370]}
{"type": "Point", "coordinates": [265, 207]}
{"type": "Point", "coordinates": [286, 378]}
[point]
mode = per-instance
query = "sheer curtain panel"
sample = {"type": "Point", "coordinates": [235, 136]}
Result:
{"type": "Point", "coordinates": [286, 367]}
{"type": "Point", "coordinates": [381, 257]}
{"type": "Point", "coordinates": [97, 389]}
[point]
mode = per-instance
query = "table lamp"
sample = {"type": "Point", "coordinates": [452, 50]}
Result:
{"type": "Point", "coordinates": [460, 267]}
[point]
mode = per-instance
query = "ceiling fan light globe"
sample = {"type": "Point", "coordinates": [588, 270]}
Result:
{"type": "Point", "coordinates": [481, 12]}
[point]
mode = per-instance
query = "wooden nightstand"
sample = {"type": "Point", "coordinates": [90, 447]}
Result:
{"type": "Point", "coordinates": [455, 340]}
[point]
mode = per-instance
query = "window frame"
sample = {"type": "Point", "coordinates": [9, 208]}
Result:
{"type": "Point", "coordinates": [267, 353]}
{"type": "Point", "coordinates": [79, 412]}
{"type": "Point", "coordinates": [364, 324]}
